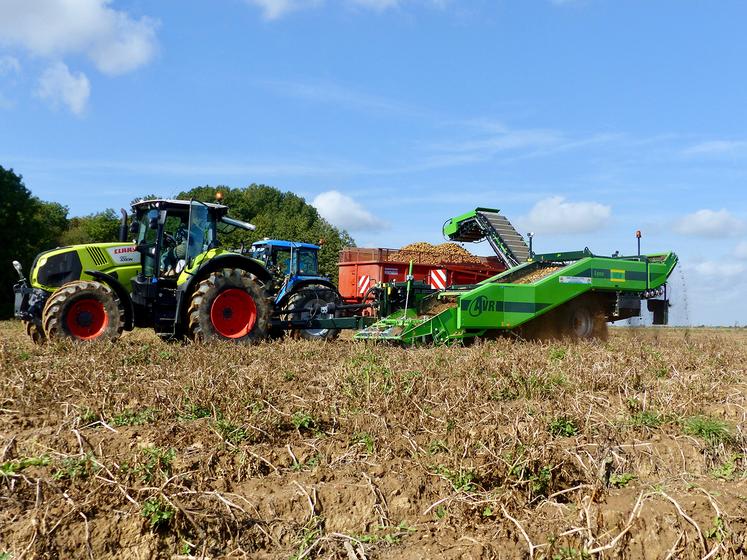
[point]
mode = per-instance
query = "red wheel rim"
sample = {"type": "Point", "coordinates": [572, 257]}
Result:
{"type": "Point", "coordinates": [233, 313]}
{"type": "Point", "coordinates": [86, 319]}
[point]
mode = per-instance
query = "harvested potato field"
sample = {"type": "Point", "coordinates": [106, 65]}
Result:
{"type": "Point", "coordinates": [631, 448]}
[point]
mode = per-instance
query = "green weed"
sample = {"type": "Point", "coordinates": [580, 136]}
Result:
{"type": "Point", "coordinates": [621, 480]}
{"type": "Point", "coordinates": [646, 419]}
{"type": "Point", "coordinates": [563, 427]}
{"type": "Point", "coordinates": [310, 532]}
{"type": "Point", "coordinates": [728, 470]}
{"type": "Point", "coordinates": [571, 553]}
{"type": "Point", "coordinates": [230, 432]}
{"type": "Point", "coordinates": [157, 463]}
{"type": "Point", "coordinates": [11, 468]}
{"type": "Point", "coordinates": [303, 421]}
{"type": "Point", "coordinates": [158, 512]}
{"type": "Point", "coordinates": [365, 440]}
{"type": "Point", "coordinates": [75, 467]}
{"type": "Point", "coordinates": [194, 411]}
{"type": "Point", "coordinates": [462, 480]}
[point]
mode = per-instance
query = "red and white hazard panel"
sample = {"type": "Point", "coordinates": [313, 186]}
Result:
{"type": "Point", "coordinates": [363, 283]}
{"type": "Point", "coordinates": [437, 279]}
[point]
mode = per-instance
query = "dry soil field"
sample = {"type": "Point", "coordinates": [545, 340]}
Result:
{"type": "Point", "coordinates": [631, 448]}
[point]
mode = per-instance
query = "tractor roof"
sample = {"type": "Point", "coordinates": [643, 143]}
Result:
{"type": "Point", "coordinates": [166, 204]}
{"type": "Point", "coordinates": [285, 244]}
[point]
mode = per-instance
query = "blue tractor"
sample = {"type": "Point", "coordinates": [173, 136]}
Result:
{"type": "Point", "coordinates": [299, 292]}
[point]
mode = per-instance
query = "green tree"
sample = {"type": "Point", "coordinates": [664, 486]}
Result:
{"type": "Point", "coordinates": [29, 226]}
{"type": "Point", "coordinates": [100, 227]}
{"type": "Point", "coordinates": [280, 215]}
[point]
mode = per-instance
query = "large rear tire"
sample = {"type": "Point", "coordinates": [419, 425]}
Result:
{"type": "Point", "coordinates": [229, 305]}
{"type": "Point", "coordinates": [83, 310]}
{"type": "Point", "coordinates": [306, 304]}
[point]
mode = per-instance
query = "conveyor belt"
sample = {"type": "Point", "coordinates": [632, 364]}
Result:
{"type": "Point", "coordinates": [505, 240]}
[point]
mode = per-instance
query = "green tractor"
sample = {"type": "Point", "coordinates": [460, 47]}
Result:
{"type": "Point", "coordinates": [175, 278]}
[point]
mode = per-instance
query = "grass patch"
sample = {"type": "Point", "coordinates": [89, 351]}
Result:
{"type": "Point", "coordinates": [135, 417]}
{"type": "Point", "coordinates": [710, 430]}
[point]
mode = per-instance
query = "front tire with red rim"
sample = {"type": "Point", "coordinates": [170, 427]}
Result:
{"type": "Point", "coordinates": [83, 310]}
{"type": "Point", "coordinates": [229, 305]}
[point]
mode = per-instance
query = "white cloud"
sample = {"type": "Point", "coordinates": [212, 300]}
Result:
{"type": "Point", "coordinates": [275, 9]}
{"type": "Point", "coordinates": [342, 211]}
{"type": "Point", "coordinates": [720, 269]}
{"type": "Point", "coordinates": [709, 223]}
{"type": "Point", "coordinates": [717, 147]}
{"type": "Point", "coordinates": [58, 85]}
{"type": "Point", "coordinates": [378, 5]}
{"type": "Point", "coordinates": [557, 215]}
{"type": "Point", "coordinates": [9, 65]}
{"type": "Point", "coordinates": [113, 40]}
{"type": "Point", "coordinates": [740, 251]}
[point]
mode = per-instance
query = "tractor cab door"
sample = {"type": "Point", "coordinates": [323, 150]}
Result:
{"type": "Point", "coordinates": [200, 232]}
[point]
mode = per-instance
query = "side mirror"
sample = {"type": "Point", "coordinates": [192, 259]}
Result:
{"type": "Point", "coordinates": [153, 222]}
{"type": "Point", "coordinates": [134, 227]}
{"type": "Point", "coordinates": [19, 270]}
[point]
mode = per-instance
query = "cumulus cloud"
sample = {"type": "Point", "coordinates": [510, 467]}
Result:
{"type": "Point", "coordinates": [557, 215]}
{"type": "Point", "coordinates": [113, 40]}
{"type": "Point", "coordinates": [709, 223]}
{"type": "Point", "coordinates": [59, 86]}
{"type": "Point", "coordinates": [342, 211]}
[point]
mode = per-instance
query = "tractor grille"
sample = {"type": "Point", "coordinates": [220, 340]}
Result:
{"type": "Point", "coordinates": [97, 255]}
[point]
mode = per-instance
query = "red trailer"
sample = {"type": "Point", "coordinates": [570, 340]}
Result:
{"type": "Point", "coordinates": [362, 268]}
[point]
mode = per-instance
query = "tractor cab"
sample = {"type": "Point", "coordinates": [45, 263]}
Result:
{"type": "Point", "coordinates": [172, 234]}
{"type": "Point", "coordinates": [287, 258]}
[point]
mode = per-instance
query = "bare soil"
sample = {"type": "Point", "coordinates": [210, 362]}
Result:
{"type": "Point", "coordinates": [629, 448]}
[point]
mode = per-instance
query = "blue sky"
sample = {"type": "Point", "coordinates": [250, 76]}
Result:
{"type": "Point", "coordinates": [583, 120]}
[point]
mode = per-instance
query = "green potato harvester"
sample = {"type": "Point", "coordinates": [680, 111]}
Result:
{"type": "Point", "coordinates": [553, 295]}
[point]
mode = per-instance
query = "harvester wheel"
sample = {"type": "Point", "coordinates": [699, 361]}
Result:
{"type": "Point", "coordinates": [306, 303]}
{"type": "Point", "coordinates": [229, 305]}
{"type": "Point", "coordinates": [83, 310]}
{"type": "Point", "coordinates": [583, 319]}
{"type": "Point", "coordinates": [35, 332]}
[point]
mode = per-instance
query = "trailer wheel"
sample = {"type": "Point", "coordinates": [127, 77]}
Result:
{"type": "Point", "coordinates": [229, 305]}
{"type": "Point", "coordinates": [83, 310]}
{"type": "Point", "coordinates": [306, 304]}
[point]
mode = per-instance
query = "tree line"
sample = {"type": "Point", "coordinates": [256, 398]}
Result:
{"type": "Point", "coordinates": [32, 225]}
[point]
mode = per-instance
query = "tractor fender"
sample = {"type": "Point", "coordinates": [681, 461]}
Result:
{"type": "Point", "coordinates": [308, 282]}
{"type": "Point", "coordinates": [122, 294]}
{"type": "Point", "coordinates": [225, 260]}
